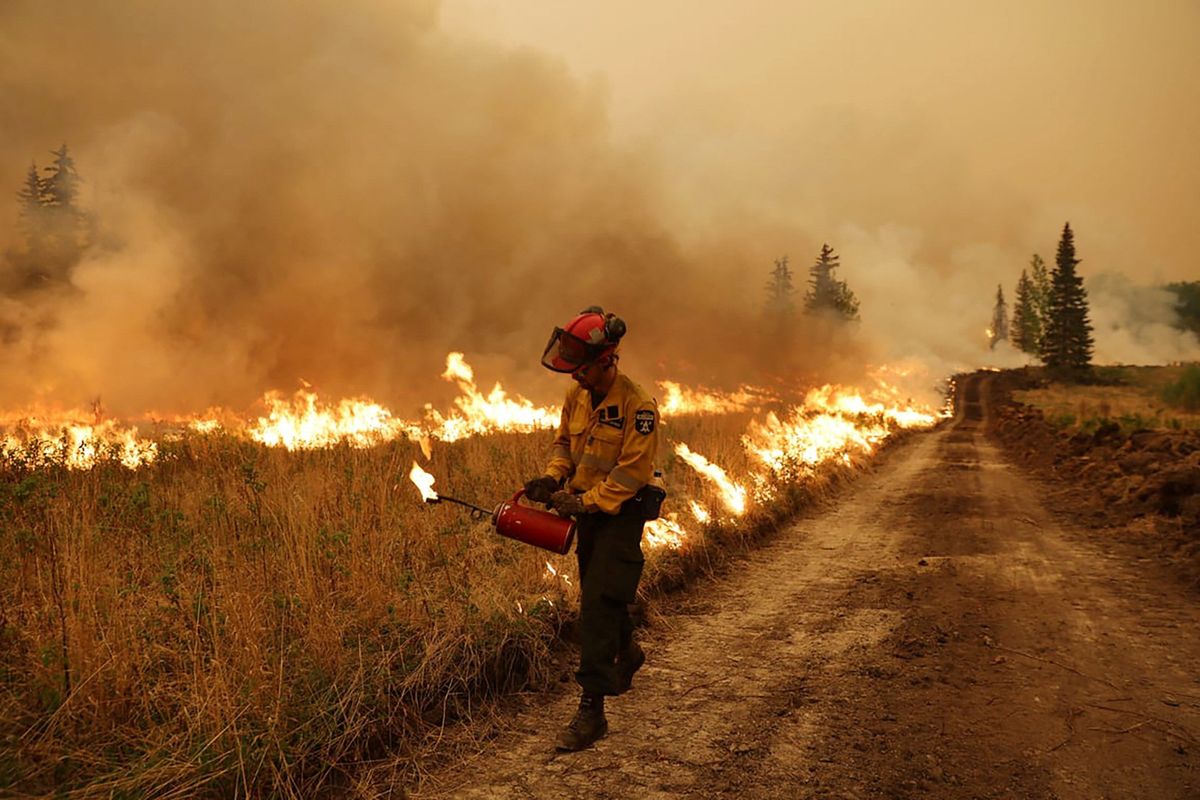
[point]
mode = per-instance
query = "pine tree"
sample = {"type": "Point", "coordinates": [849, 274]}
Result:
{"type": "Point", "coordinates": [33, 209]}
{"type": "Point", "coordinates": [56, 229]}
{"type": "Point", "coordinates": [1026, 324]}
{"type": "Point", "coordinates": [61, 185]}
{"type": "Point", "coordinates": [31, 193]}
{"type": "Point", "coordinates": [1039, 279]}
{"type": "Point", "coordinates": [780, 303]}
{"type": "Point", "coordinates": [999, 330]}
{"type": "Point", "coordinates": [65, 223]}
{"type": "Point", "coordinates": [1067, 339]}
{"type": "Point", "coordinates": [825, 292]}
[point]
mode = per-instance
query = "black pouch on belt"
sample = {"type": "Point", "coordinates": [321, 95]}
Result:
{"type": "Point", "coordinates": [650, 497]}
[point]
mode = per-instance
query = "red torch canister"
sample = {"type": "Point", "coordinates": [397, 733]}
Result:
{"type": "Point", "coordinates": [531, 526]}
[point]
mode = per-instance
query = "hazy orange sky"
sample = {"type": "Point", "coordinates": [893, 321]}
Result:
{"type": "Point", "coordinates": [341, 192]}
{"type": "Point", "coordinates": [1079, 109]}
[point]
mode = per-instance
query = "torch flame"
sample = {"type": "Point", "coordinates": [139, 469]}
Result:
{"type": "Point", "coordinates": [424, 482]}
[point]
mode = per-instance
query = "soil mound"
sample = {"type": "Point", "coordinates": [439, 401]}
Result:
{"type": "Point", "coordinates": [1114, 477]}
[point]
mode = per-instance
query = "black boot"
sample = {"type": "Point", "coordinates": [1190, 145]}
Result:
{"type": "Point", "coordinates": [587, 726]}
{"type": "Point", "coordinates": [629, 661]}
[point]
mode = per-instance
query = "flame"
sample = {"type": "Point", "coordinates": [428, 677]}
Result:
{"type": "Point", "coordinates": [423, 481]}
{"type": "Point", "coordinates": [732, 494]}
{"type": "Point", "coordinates": [551, 572]}
{"type": "Point", "coordinates": [204, 425]}
{"type": "Point", "coordinates": [701, 513]}
{"type": "Point", "coordinates": [678, 400]}
{"type": "Point", "coordinates": [832, 422]}
{"type": "Point", "coordinates": [65, 438]}
{"type": "Point", "coordinates": [304, 422]}
{"type": "Point", "coordinates": [664, 532]}
{"type": "Point", "coordinates": [848, 403]}
{"type": "Point", "coordinates": [478, 413]}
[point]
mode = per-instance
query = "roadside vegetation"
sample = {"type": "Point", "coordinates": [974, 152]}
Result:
{"type": "Point", "coordinates": [240, 620]}
{"type": "Point", "coordinates": [1133, 398]}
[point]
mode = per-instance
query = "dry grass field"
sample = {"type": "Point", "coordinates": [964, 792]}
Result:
{"type": "Point", "coordinates": [1132, 397]}
{"type": "Point", "coordinates": [235, 619]}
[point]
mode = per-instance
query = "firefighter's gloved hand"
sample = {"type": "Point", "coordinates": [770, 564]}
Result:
{"type": "Point", "coordinates": [539, 489]}
{"type": "Point", "coordinates": [567, 504]}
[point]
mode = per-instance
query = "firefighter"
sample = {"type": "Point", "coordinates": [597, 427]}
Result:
{"type": "Point", "coordinates": [600, 472]}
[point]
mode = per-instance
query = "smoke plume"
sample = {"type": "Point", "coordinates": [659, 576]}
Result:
{"type": "Point", "coordinates": [309, 190]}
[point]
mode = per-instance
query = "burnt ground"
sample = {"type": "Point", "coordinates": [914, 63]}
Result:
{"type": "Point", "coordinates": [938, 633]}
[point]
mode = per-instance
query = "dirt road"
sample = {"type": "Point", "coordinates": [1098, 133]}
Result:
{"type": "Point", "coordinates": [937, 634]}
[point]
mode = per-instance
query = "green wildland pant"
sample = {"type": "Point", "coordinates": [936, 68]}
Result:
{"type": "Point", "coordinates": [609, 550]}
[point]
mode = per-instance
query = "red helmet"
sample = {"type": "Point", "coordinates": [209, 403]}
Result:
{"type": "Point", "coordinates": [591, 336]}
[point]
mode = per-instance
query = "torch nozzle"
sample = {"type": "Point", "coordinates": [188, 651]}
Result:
{"type": "Point", "coordinates": [476, 511]}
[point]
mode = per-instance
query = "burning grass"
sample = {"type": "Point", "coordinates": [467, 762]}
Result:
{"type": "Point", "coordinates": [235, 618]}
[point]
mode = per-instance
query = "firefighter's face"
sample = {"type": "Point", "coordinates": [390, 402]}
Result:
{"type": "Point", "coordinates": [591, 375]}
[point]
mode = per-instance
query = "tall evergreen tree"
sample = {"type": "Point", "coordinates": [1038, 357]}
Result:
{"type": "Point", "coordinates": [1067, 338]}
{"type": "Point", "coordinates": [65, 222]}
{"type": "Point", "coordinates": [826, 293]}
{"type": "Point", "coordinates": [1026, 324]}
{"type": "Point", "coordinates": [999, 330]}
{"type": "Point", "coordinates": [32, 192]}
{"type": "Point", "coordinates": [1039, 278]}
{"type": "Point", "coordinates": [55, 227]}
{"type": "Point", "coordinates": [781, 304]}
{"type": "Point", "coordinates": [32, 199]}
{"type": "Point", "coordinates": [61, 184]}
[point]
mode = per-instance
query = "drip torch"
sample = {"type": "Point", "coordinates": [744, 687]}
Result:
{"type": "Point", "coordinates": [510, 518]}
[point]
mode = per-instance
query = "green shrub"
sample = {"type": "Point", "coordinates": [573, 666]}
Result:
{"type": "Point", "coordinates": [1062, 420]}
{"type": "Point", "coordinates": [1185, 392]}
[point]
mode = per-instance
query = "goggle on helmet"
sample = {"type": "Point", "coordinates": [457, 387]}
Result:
{"type": "Point", "coordinates": [589, 337]}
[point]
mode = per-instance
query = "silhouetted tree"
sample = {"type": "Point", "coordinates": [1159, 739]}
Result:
{"type": "Point", "coordinates": [1187, 305]}
{"type": "Point", "coordinates": [54, 226]}
{"type": "Point", "coordinates": [62, 183]}
{"type": "Point", "coordinates": [1039, 278]}
{"type": "Point", "coordinates": [65, 219]}
{"type": "Point", "coordinates": [32, 199]}
{"type": "Point", "coordinates": [781, 305]}
{"type": "Point", "coordinates": [1026, 324]}
{"type": "Point", "coordinates": [827, 294]}
{"type": "Point", "coordinates": [1067, 338]}
{"type": "Point", "coordinates": [999, 329]}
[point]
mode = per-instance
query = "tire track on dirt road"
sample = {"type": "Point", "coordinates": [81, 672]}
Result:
{"type": "Point", "coordinates": [936, 633]}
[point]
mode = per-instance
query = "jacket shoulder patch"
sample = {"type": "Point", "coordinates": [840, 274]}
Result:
{"type": "Point", "coordinates": [643, 421]}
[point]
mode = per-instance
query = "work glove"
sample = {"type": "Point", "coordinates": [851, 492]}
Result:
{"type": "Point", "coordinates": [567, 504]}
{"type": "Point", "coordinates": [539, 489]}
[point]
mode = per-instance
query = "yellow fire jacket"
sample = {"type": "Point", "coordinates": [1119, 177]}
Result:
{"type": "Point", "coordinates": [606, 452]}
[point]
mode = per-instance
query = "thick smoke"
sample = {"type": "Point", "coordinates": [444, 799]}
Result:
{"type": "Point", "coordinates": [1135, 324]}
{"type": "Point", "coordinates": [936, 145]}
{"type": "Point", "coordinates": [296, 191]}
{"type": "Point", "coordinates": [292, 190]}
